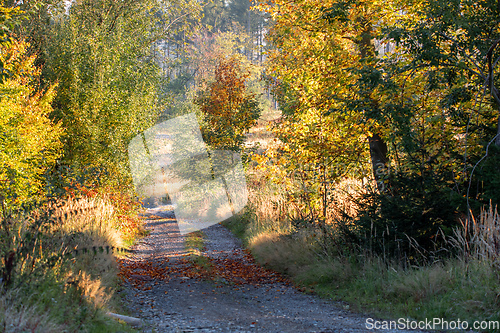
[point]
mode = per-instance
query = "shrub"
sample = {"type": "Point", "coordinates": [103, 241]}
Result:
{"type": "Point", "coordinates": [407, 222]}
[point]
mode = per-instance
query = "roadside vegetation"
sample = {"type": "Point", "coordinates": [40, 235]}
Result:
{"type": "Point", "coordinates": [77, 81]}
{"type": "Point", "coordinates": [458, 280]}
{"type": "Point", "coordinates": [59, 271]}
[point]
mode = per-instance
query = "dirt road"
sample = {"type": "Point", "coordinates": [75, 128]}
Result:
{"type": "Point", "coordinates": [171, 294]}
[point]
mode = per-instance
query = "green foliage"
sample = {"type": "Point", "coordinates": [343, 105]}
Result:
{"type": "Point", "coordinates": [9, 18]}
{"type": "Point", "coordinates": [458, 40]}
{"type": "Point", "coordinates": [216, 16]}
{"type": "Point", "coordinates": [100, 53]}
{"type": "Point", "coordinates": [439, 121]}
{"type": "Point", "coordinates": [104, 55]}
{"type": "Point", "coordinates": [409, 222]}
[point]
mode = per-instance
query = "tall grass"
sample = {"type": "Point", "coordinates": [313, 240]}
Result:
{"type": "Point", "coordinates": [15, 317]}
{"type": "Point", "coordinates": [62, 264]}
{"type": "Point", "coordinates": [479, 239]}
{"type": "Point", "coordinates": [87, 222]}
{"type": "Point", "coordinates": [458, 281]}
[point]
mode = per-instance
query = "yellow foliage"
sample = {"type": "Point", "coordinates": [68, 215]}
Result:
{"type": "Point", "coordinates": [29, 140]}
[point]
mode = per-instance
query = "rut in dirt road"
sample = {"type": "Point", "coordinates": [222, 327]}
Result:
{"type": "Point", "coordinates": [172, 294]}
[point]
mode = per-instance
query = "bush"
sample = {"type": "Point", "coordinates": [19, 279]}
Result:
{"type": "Point", "coordinates": [407, 222]}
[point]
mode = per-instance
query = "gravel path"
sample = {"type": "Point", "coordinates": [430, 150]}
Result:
{"type": "Point", "coordinates": [162, 288]}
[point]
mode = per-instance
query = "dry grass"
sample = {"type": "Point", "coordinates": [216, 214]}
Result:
{"type": "Point", "coordinates": [76, 227]}
{"type": "Point", "coordinates": [261, 134]}
{"type": "Point", "coordinates": [92, 289]}
{"type": "Point", "coordinates": [343, 197]}
{"type": "Point", "coordinates": [464, 286]}
{"type": "Point", "coordinates": [92, 220]}
{"type": "Point", "coordinates": [273, 208]}
{"type": "Point", "coordinates": [269, 203]}
{"type": "Point", "coordinates": [282, 253]}
{"type": "Point", "coordinates": [87, 225]}
{"type": "Point", "coordinates": [19, 312]}
{"type": "Point", "coordinates": [67, 270]}
{"type": "Point", "coordinates": [480, 238]}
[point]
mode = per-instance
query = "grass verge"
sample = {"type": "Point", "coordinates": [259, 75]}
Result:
{"type": "Point", "coordinates": [195, 245]}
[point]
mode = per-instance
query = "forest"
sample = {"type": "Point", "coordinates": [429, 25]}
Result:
{"type": "Point", "coordinates": [369, 133]}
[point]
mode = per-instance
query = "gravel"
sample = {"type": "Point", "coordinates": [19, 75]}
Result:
{"type": "Point", "coordinates": [175, 302]}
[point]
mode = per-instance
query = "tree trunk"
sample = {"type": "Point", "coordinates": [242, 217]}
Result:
{"type": "Point", "coordinates": [378, 147]}
{"type": "Point", "coordinates": [378, 154]}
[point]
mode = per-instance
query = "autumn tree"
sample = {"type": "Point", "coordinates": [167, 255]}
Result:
{"type": "Point", "coordinates": [330, 42]}
{"type": "Point", "coordinates": [331, 59]}
{"type": "Point", "coordinates": [228, 109]}
{"type": "Point", "coordinates": [328, 120]}
{"type": "Point", "coordinates": [421, 96]}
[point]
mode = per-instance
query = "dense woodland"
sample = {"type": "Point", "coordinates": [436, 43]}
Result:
{"type": "Point", "coordinates": [384, 139]}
